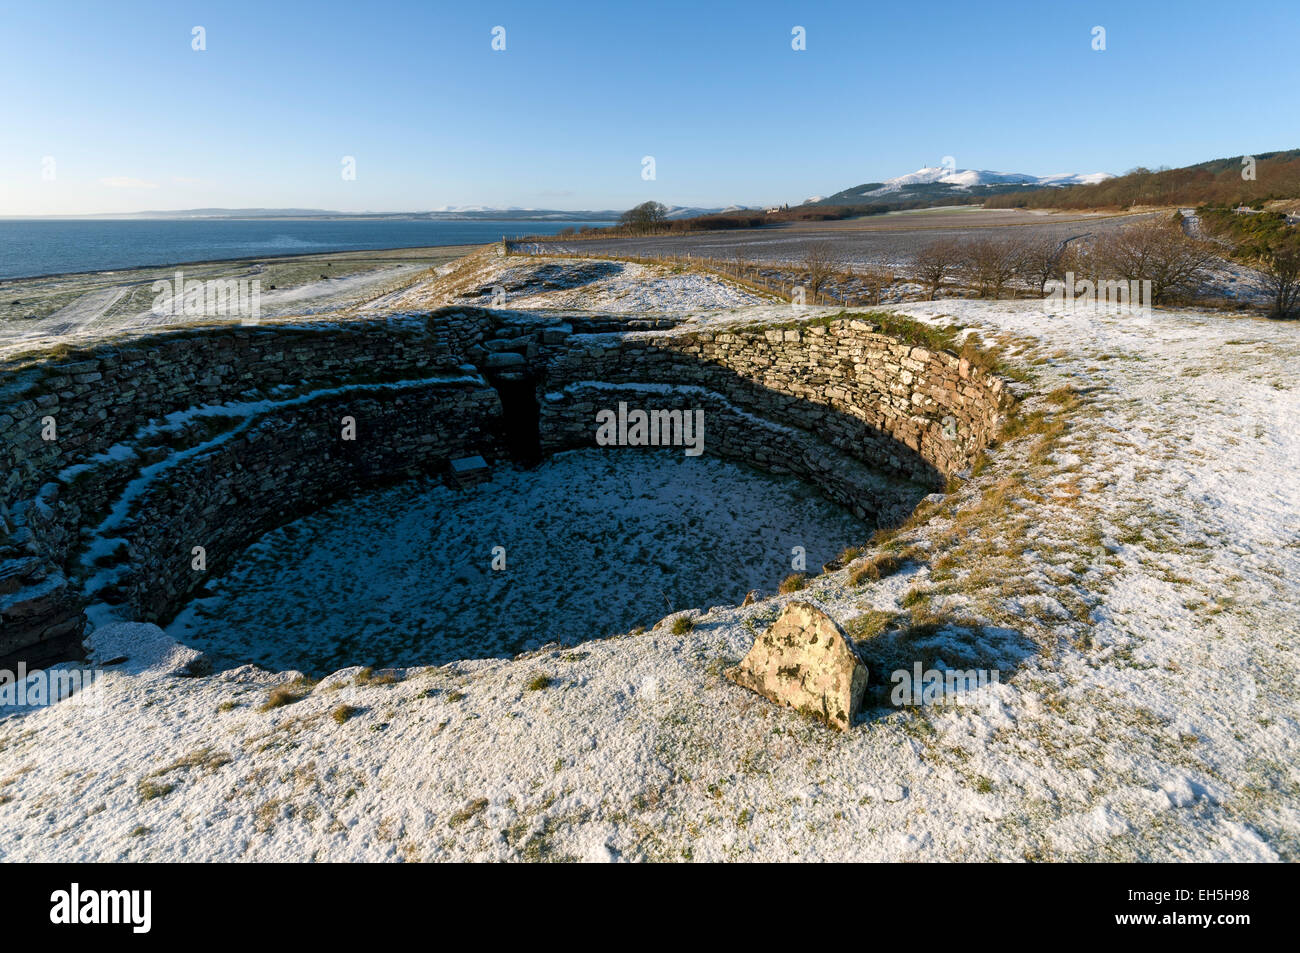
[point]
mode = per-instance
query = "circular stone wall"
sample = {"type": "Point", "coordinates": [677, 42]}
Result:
{"type": "Point", "coordinates": [138, 469]}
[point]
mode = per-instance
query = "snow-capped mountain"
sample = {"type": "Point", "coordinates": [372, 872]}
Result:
{"type": "Point", "coordinates": [934, 183]}
{"type": "Point", "coordinates": [1078, 178]}
{"type": "Point", "coordinates": [959, 177]}
{"type": "Point", "coordinates": [687, 211]}
{"type": "Point", "coordinates": [968, 178]}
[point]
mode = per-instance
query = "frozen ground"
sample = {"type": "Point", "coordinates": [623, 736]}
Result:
{"type": "Point", "coordinates": [79, 308]}
{"type": "Point", "coordinates": [596, 543]}
{"type": "Point", "coordinates": [885, 240]}
{"type": "Point", "coordinates": [1128, 562]}
{"type": "Point", "coordinates": [521, 283]}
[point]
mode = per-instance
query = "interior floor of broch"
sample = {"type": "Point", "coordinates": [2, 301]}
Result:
{"type": "Point", "coordinates": [1051, 541]}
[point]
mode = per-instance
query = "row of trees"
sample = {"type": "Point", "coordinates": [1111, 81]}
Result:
{"type": "Point", "coordinates": [1156, 251]}
{"type": "Point", "coordinates": [652, 218]}
{"type": "Point", "coordinates": [823, 262]}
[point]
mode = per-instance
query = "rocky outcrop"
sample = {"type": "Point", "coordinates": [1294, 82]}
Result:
{"type": "Point", "coordinates": [804, 660]}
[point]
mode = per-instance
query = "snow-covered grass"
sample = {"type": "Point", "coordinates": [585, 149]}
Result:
{"type": "Point", "coordinates": [1127, 558]}
{"type": "Point", "coordinates": [63, 310]}
{"type": "Point", "coordinates": [595, 542]}
{"type": "Point", "coordinates": [573, 284]}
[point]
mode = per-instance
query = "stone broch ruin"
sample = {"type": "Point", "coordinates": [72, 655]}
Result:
{"type": "Point", "coordinates": [211, 436]}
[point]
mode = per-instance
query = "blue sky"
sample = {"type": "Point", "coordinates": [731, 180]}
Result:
{"type": "Point", "coordinates": [134, 118]}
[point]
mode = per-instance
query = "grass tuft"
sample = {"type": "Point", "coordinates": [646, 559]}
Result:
{"type": "Point", "coordinates": [344, 713]}
{"type": "Point", "coordinates": [283, 695]}
{"type": "Point", "coordinates": [793, 583]}
{"type": "Point", "coordinates": [150, 789]}
{"type": "Point", "coordinates": [368, 676]}
{"type": "Point", "coordinates": [875, 569]}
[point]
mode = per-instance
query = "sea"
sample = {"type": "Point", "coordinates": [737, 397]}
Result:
{"type": "Point", "coordinates": [30, 248]}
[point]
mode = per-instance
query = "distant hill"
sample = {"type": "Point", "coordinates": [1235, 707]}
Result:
{"type": "Point", "coordinates": [231, 213]}
{"type": "Point", "coordinates": [938, 185]}
{"type": "Point", "coordinates": [1217, 182]}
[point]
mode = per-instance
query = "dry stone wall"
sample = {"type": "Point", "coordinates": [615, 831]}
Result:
{"type": "Point", "coordinates": [811, 400]}
{"type": "Point", "coordinates": [120, 458]}
{"type": "Point", "coordinates": [77, 427]}
{"type": "Point", "coordinates": [287, 464]}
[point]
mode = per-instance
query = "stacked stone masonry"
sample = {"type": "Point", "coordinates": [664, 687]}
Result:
{"type": "Point", "coordinates": [281, 455]}
{"type": "Point", "coordinates": [803, 400]}
{"type": "Point", "coordinates": [212, 436]}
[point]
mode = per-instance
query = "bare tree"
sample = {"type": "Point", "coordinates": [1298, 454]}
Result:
{"type": "Point", "coordinates": [875, 280]}
{"type": "Point", "coordinates": [1040, 262]}
{"type": "Point", "coordinates": [1278, 259]}
{"type": "Point", "coordinates": [935, 263]}
{"type": "Point", "coordinates": [1156, 251]}
{"type": "Point", "coordinates": [989, 264]}
{"type": "Point", "coordinates": [1079, 259]}
{"type": "Point", "coordinates": [820, 262]}
{"type": "Point", "coordinates": [740, 261]}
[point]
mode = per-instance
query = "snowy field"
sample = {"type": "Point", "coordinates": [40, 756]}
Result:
{"type": "Point", "coordinates": [1129, 563]}
{"type": "Point", "coordinates": [80, 308]}
{"type": "Point", "coordinates": [522, 283]}
{"type": "Point", "coordinates": [888, 240]}
{"type": "Point", "coordinates": [597, 542]}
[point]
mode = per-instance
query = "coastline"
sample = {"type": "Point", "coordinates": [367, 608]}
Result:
{"type": "Point", "coordinates": [394, 251]}
{"type": "Point", "coordinates": [52, 306]}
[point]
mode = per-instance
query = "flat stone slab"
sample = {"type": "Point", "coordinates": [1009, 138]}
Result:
{"type": "Point", "coordinates": [468, 465]}
{"type": "Point", "coordinates": [499, 359]}
{"type": "Point", "coordinates": [804, 660]}
{"type": "Point", "coordinates": [470, 470]}
{"type": "Point", "coordinates": [502, 345]}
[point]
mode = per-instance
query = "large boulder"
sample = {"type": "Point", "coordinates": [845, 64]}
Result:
{"type": "Point", "coordinates": [805, 660]}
